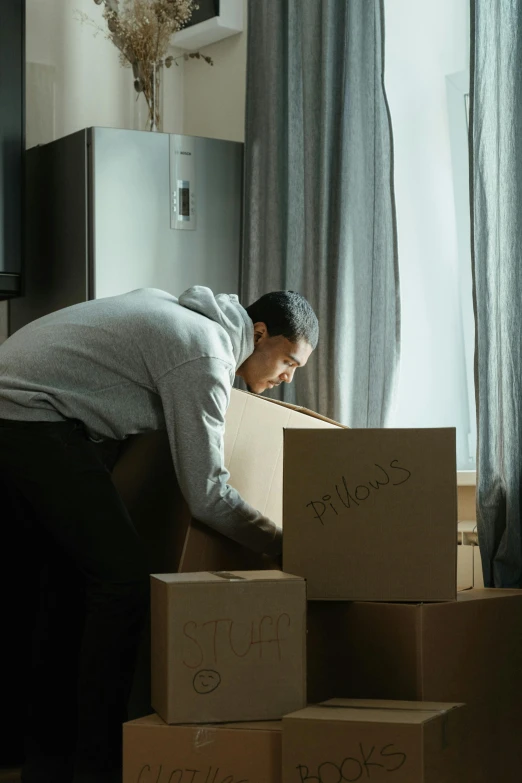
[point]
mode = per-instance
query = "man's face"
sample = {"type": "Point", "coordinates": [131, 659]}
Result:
{"type": "Point", "coordinates": [274, 361]}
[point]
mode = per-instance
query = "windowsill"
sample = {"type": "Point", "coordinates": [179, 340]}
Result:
{"type": "Point", "coordinates": [466, 478]}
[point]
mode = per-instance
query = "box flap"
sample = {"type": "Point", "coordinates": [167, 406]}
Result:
{"type": "Point", "coordinates": [253, 437]}
{"type": "Point", "coordinates": [292, 407]}
{"type": "Point", "coordinates": [374, 711]}
{"type": "Point", "coordinates": [260, 725]}
{"type": "Point", "coordinates": [391, 704]}
{"type": "Point", "coordinates": [224, 577]}
{"type": "Point", "coordinates": [487, 593]}
{"type": "Point", "coordinates": [155, 722]}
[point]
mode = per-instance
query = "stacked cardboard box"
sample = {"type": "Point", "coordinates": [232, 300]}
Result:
{"type": "Point", "coordinates": [370, 520]}
{"type": "Point", "coordinates": [225, 647]}
{"type": "Point", "coordinates": [401, 631]}
{"type": "Point", "coordinates": [468, 650]}
{"type": "Point", "coordinates": [155, 752]}
{"type": "Point", "coordinates": [371, 514]}
{"type": "Point", "coordinates": [228, 646]}
{"type": "Point", "coordinates": [348, 740]}
{"type": "Point", "coordinates": [212, 753]}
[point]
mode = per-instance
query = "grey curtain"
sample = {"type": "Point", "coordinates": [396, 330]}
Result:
{"type": "Point", "coordinates": [319, 205]}
{"type": "Point", "coordinates": [496, 172]}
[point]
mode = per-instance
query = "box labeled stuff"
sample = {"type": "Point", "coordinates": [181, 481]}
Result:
{"type": "Point", "coordinates": [154, 752]}
{"type": "Point", "coordinates": [349, 740]}
{"type": "Point", "coordinates": [371, 514]}
{"type": "Point", "coordinates": [228, 646]}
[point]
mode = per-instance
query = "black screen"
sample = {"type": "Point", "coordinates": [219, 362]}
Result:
{"type": "Point", "coordinates": [207, 9]}
{"type": "Point", "coordinates": [184, 205]}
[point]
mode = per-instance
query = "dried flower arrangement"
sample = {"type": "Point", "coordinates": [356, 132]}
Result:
{"type": "Point", "coordinates": [141, 30]}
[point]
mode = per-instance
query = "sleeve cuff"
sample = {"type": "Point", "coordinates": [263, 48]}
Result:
{"type": "Point", "coordinates": [275, 547]}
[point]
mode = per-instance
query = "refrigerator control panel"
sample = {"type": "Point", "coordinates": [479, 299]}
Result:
{"type": "Point", "coordinates": [182, 183]}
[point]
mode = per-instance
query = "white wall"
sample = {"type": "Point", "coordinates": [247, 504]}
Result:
{"type": "Point", "coordinates": [90, 86]}
{"type": "Point", "coordinates": [427, 40]}
{"type": "Point", "coordinates": [215, 96]}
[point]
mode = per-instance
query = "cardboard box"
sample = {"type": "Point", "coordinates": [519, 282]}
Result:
{"type": "Point", "coordinates": [478, 575]}
{"type": "Point", "coordinates": [228, 646]}
{"type": "Point", "coordinates": [465, 567]}
{"type": "Point", "coordinates": [154, 752]}
{"type": "Point", "coordinates": [469, 567]}
{"type": "Point", "coordinates": [145, 479]}
{"type": "Point", "coordinates": [350, 740]}
{"type": "Point", "coordinates": [469, 651]}
{"type": "Point", "coordinates": [371, 514]}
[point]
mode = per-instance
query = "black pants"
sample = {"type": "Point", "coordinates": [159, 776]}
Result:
{"type": "Point", "coordinates": [71, 566]}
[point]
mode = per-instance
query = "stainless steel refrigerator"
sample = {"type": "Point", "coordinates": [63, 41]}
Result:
{"type": "Point", "coordinates": [108, 211]}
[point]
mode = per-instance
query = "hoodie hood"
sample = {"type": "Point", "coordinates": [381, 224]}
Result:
{"type": "Point", "coordinates": [225, 310]}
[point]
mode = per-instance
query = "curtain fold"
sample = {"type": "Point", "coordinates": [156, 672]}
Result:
{"type": "Point", "coordinates": [319, 201]}
{"type": "Point", "coordinates": [496, 183]}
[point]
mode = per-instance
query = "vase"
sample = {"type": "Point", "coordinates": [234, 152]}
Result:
{"type": "Point", "coordinates": [148, 86]}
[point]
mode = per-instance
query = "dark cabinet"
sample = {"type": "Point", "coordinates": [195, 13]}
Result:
{"type": "Point", "coordinates": [12, 143]}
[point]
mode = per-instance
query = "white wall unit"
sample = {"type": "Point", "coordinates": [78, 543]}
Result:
{"type": "Point", "coordinates": [229, 22]}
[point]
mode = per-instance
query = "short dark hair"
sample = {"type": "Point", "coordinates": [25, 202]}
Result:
{"type": "Point", "coordinates": [288, 314]}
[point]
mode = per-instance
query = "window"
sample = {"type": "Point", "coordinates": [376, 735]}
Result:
{"type": "Point", "coordinates": [427, 67]}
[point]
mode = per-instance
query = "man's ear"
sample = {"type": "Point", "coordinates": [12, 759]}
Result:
{"type": "Point", "coordinates": [260, 332]}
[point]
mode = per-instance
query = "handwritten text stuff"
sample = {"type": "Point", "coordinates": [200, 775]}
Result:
{"type": "Point", "coordinates": [364, 763]}
{"type": "Point", "coordinates": [207, 645]}
{"type": "Point", "coordinates": [347, 496]}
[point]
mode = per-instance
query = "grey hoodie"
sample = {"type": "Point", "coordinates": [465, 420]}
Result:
{"type": "Point", "coordinates": [138, 362]}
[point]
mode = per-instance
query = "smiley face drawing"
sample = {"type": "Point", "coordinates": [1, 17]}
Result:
{"type": "Point", "coordinates": [206, 681]}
